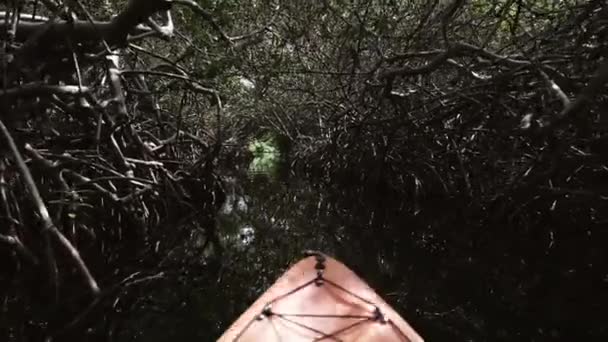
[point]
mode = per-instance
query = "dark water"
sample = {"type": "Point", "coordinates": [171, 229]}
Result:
{"type": "Point", "coordinates": [451, 279]}
{"type": "Point", "coordinates": [280, 217]}
{"type": "Point", "coordinates": [454, 271]}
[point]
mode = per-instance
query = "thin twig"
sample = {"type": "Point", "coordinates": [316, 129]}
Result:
{"type": "Point", "coordinates": [48, 225]}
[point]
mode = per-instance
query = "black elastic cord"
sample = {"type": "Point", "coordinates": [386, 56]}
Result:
{"type": "Point", "coordinates": [376, 316]}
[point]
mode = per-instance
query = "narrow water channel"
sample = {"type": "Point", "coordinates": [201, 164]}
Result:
{"type": "Point", "coordinates": [449, 279]}
{"type": "Point", "coordinates": [278, 214]}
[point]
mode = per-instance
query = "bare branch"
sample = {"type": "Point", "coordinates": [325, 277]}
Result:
{"type": "Point", "coordinates": [205, 15]}
{"type": "Point", "coordinates": [597, 83]}
{"type": "Point", "coordinates": [48, 225]}
{"type": "Point", "coordinates": [39, 89]}
{"type": "Point", "coordinates": [114, 32]}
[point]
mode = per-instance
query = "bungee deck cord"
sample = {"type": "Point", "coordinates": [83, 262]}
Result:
{"type": "Point", "coordinates": [287, 325]}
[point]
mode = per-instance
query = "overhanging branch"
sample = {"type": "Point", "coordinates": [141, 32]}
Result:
{"type": "Point", "coordinates": [114, 31]}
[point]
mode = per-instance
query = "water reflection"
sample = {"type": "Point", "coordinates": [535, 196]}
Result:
{"type": "Point", "coordinates": [279, 214]}
{"type": "Point", "coordinates": [266, 206]}
{"type": "Point", "coordinates": [271, 218]}
{"type": "Point", "coordinates": [450, 274]}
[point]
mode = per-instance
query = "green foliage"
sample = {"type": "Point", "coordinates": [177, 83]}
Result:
{"type": "Point", "coordinates": [266, 156]}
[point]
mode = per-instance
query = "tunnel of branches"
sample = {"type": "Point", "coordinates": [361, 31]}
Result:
{"type": "Point", "coordinates": [455, 153]}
